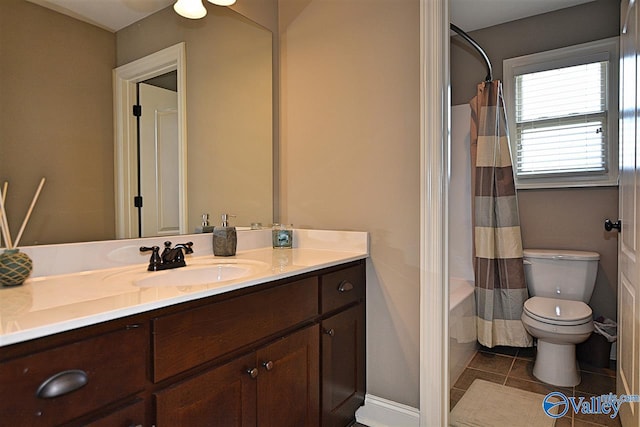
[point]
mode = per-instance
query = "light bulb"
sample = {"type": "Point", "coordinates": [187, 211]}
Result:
{"type": "Point", "coordinates": [192, 9]}
{"type": "Point", "coordinates": [222, 2]}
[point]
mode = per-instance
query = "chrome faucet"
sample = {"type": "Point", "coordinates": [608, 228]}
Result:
{"type": "Point", "coordinates": [170, 257]}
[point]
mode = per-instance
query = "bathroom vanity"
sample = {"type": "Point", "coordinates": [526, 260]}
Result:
{"type": "Point", "coordinates": [284, 346]}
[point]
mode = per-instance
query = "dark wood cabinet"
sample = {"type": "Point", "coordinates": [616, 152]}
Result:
{"type": "Point", "coordinates": [279, 354]}
{"type": "Point", "coordinates": [131, 415]}
{"type": "Point", "coordinates": [57, 385]}
{"type": "Point", "coordinates": [343, 345]}
{"type": "Point", "coordinates": [189, 338]}
{"type": "Point", "coordinates": [343, 363]}
{"type": "Point", "coordinates": [222, 396]}
{"type": "Point", "coordinates": [278, 385]}
{"type": "Point", "coordinates": [341, 288]}
{"type": "Point", "coordinates": [288, 384]}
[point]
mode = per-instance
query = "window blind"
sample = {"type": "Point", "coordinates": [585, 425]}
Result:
{"type": "Point", "coordinates": [561, 121]}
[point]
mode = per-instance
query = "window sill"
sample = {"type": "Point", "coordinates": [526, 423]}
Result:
{"type": "Point", "coordinates": [539, 184]}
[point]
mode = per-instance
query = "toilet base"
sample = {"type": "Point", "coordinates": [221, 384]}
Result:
{"type": "Point", "coordinates": [556, 364]}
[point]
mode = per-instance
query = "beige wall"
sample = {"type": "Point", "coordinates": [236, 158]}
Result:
{"type": "Point", "coordinates": [573, 219]}
{"type": "Point", "coordinates": [263, 12]}
{"type": "Point", "coordinates": [554, 219]}
{"type": "Point", "coordinates": [56, 121]}
{"type": "Point", "coordinates": [229, 109]}
{"type": "Point", "coordinates": [350, 131]}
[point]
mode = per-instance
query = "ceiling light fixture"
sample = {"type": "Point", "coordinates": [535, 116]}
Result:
{"type": "Point", "coordinates": [194, 9]}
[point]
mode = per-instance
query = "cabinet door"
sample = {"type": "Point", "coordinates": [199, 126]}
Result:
{"type": "Point", "coordinates": [288, 384]}
{"type": "Point", "coordinates": [343, 366]}
{"type": "Point", "coordinates": [221, 397]}
{"type": "Point", "coordinates": [129, 416]}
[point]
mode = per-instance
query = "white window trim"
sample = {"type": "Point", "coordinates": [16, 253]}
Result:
{"type": "Point", "coordinates": [606, 49]}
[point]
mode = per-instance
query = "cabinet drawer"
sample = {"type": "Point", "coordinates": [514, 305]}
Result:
{"type": "Point", "coordinates": [187, 339]}
{"type": "Point", "coordinates": [342, 287]}
{"type": "Point", "coordinates": [111, 365]}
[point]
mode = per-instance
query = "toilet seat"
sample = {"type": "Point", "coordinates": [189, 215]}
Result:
{"type": "Point", "coordinates": [558, 311]}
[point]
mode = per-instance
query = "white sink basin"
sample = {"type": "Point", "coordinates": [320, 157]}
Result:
{"type": "Point", "coordinates": [199, 272]}
{"type": "Point", "coordinates": [197, 275]}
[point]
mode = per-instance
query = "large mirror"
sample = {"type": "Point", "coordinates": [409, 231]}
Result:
{"type": "Point", "coordinates": [57, 117]}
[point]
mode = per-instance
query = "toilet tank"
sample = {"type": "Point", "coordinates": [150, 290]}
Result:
{"type": "Point", "coordinates": [563, 274]}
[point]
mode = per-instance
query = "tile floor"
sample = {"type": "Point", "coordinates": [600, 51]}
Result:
{"type": "Point", "coordinates": [513, 367]}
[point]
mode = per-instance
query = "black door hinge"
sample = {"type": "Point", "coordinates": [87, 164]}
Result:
{"type": "Point", "coordinates": [137, 110]}
{"type": "Point", "coordinates": [137, 201]}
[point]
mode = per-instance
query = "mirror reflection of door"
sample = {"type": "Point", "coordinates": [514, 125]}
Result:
{"type": "Point", "coordinates": [159, 154]}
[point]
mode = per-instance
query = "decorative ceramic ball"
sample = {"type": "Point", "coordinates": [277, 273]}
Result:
{"type": "Point", "coordinates": [15, 267]}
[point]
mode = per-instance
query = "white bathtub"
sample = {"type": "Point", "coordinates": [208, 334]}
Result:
{"type": "Point", "coordinates": [462, 326]}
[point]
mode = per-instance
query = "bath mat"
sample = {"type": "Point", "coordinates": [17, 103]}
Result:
{"type": "Point", "coordinates": [486, 404]}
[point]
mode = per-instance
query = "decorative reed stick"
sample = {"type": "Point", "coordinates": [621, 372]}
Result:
{"type": "Point", "coordinates": [26, 218]}
{"type": "Point", "coordinates": [4, 224]}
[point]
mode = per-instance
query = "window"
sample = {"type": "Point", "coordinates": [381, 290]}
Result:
{"type": "Point", "coordinates": [562, 110]}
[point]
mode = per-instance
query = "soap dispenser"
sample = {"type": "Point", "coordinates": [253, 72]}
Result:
{"type": "Point", "coordinates": [205, 227]}
{"type": "Point", "coordinates": [225, 238]}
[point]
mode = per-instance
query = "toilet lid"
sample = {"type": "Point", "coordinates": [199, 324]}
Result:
{"type": "Point", "coordinates": [561, 254]}
{"type": "Point", "coordinates": [558, 311]}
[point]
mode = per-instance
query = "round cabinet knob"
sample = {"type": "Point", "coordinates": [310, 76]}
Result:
{"type": "Point", "coordinates": [268, 365]}
{"type": "Point", "coordinates": [330, 332]}
{"type": "Point", "coordinates": [253, 373]}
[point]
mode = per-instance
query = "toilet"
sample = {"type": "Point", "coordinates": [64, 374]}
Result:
{"type": "Point", "coordinates": [560, 284]}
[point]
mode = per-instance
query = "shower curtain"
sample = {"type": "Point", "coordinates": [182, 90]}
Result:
{"type": "Point", "coordinates": [499, 271]}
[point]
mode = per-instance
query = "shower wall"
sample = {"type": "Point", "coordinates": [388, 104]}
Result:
{"type": "Point", "coordinates": [460, 230]}
{"type": "Point", "coordinates": [462, 320]}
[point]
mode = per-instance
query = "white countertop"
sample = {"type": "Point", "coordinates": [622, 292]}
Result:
{"type": "Point", "coordinates": [49, 304]}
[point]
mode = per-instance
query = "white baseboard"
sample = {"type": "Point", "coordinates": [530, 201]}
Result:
{"type": "Point", "coordinates": [379, 412]}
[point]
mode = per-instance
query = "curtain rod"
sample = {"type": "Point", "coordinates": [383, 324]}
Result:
{"type": "Point", "coordinates": [477, 47]}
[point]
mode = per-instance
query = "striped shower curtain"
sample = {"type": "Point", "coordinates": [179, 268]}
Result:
{"type": "Point", "coordinates": [499, 272]}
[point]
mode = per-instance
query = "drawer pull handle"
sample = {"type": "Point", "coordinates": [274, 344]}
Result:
{"type": "Point", "coordinates": [345, 286]}
{"type": "Point", "coordinates": [62, 383]}
{"type": "Point", "coordinates": [253, 373]}
{"type": "Point", "coordinates": [268, 365]}
{"type": "Point", "coordinates": [330, 332]}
